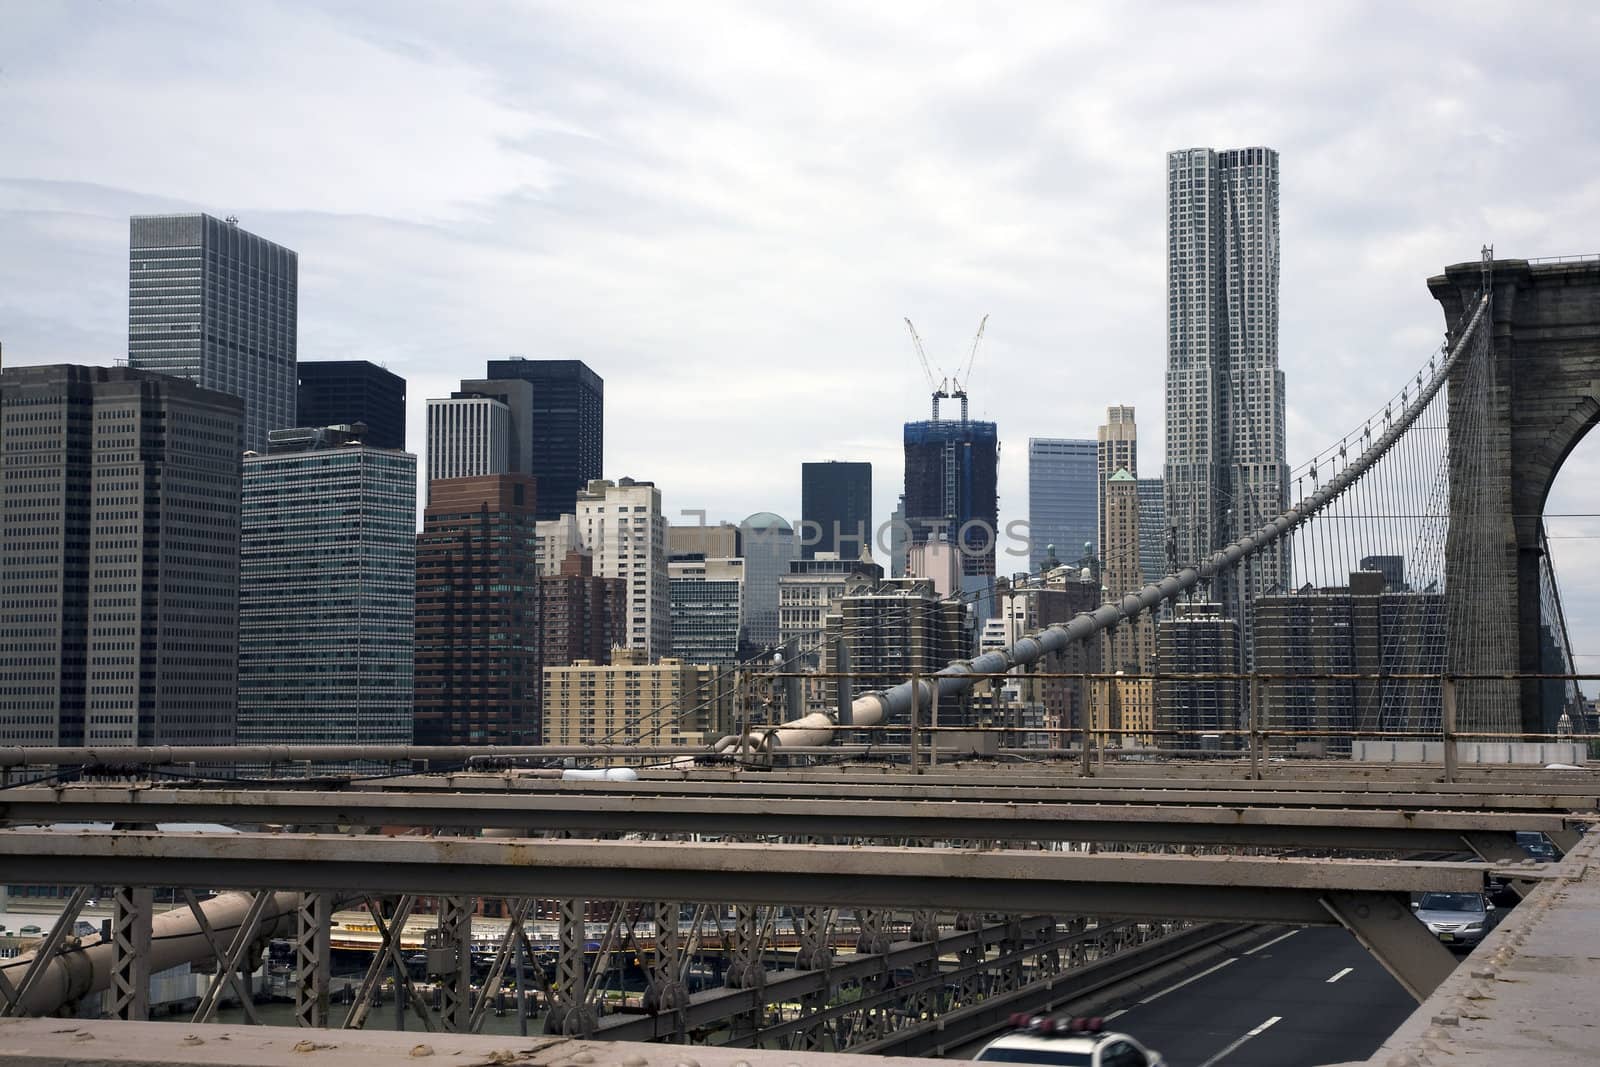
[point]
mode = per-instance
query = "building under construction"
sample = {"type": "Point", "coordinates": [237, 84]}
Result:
{"type": "Point", "coordinates": [951, 492]}
{"type": "Point", "coordinates": [951, 486]}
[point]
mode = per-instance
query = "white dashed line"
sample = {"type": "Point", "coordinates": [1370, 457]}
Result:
{"type": "Point", "coordinates": [1235, 1045]}
{"type": "Point", "coordinates": [1269, 944]}
{"type": "Point", "coordinates": [1186, 981]}
{"type": "Point", "coordinates": [1340, 975]}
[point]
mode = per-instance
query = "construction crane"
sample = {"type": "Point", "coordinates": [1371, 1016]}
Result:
{"type": "Point", "coordinates": [941, 388]}
{"type": "Point", "coordinates": [959, 385]}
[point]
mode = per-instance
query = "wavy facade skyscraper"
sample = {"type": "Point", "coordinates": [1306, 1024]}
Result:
{"type": "Point", "coordinates": [1225, 450]}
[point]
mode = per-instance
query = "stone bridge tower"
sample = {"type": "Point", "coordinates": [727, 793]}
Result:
{"type": "Point", "coordinates": [1540, 397]}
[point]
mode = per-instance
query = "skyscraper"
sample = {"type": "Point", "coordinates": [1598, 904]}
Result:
{"type": "Point", "coordinates": [1152, 529]}
{"type": "Point", "coordinates": [836, 509]}
{"type": "Point", "coordinates": [1130, 646]}
{"type": "Point", "coordinates": [1116, 449]}
{"type": "Point", "coordinates": [327, 591]}
{"type": "Point", "coordinates": [582, 616]}
{"type": "Point", "coordinates": [468, 437]}
{"type": "Point", "coordinates": [1199, 639]}
{"type": "Point", "coordinates": [478, 625]}
{"type": "Point", "coordinates": [517, 396]}
{"type": "Point", "coordinates": [1062, 498]}
{"type": "Point", "coordinates": [119, 558]}
{"type": "Point", "coordinates": [623, 527]}
{"type": "Point", "coordinates": [769, 546]}
{"type": "Point", "coordinates": [1365, 629]}
{"type": "Point", "coordinates": [336, 392]}
{"type": "Point", "coordinates": [951, 487]}
{"type": "Point", "coordinates": [707, 610]}
{"type": "Point", "coordinates": [1225, 469]}
{"type": "Point", "coordinates": [810, 591]}
{"type": "Point", "coordinates": [897, 629]}
{"type": "Point", "coordinates": [568, 427]}
{"type": "Point", "coordinates": [214, 303]}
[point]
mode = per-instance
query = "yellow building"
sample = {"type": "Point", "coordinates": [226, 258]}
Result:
{"type": "Point", "coordinates": [635, 701]}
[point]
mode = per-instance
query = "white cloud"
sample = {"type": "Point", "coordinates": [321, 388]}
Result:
{"type": "Point", "coordinates": [726, 208]}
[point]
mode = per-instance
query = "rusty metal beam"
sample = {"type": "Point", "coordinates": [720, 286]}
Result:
{"type": "Point", "coordinates": [1512, 795]}
{"type": "Point", "coordinates": [1219, 888]}
{"type": "Point", "coordinates": [589, 813]}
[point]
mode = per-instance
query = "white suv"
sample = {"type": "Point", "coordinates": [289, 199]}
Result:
{"type": "Point", "coordinates": [1059, 1042]}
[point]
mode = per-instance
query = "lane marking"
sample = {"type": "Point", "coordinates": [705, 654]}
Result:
{"type": "Point", "coordinates": [1232, 1048]}
{"type": "Point", "coordinates": [1340, 975]}
{"type": "Point", "coordinates": [1269, 944]}
{"type": "Point", "coordinates": [1192, 978]}
{"type": "Point", "coordinates": [1117, 1014]}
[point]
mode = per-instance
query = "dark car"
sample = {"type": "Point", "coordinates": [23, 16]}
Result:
{"type": "Point", "coordinates": [1537, 846]}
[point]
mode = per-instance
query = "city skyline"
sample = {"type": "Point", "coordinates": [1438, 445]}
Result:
{"type": "Point", "coordinates": [663, 244]}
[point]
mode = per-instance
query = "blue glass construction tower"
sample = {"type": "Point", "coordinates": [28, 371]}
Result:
{"type": "Point", "coordinates": [951, 467]}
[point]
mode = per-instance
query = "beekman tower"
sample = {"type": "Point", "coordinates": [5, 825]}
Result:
{"type": "Point", "coordinates": [1225, 470]}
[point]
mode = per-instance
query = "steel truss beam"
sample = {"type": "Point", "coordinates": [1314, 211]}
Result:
{"type": "Point", "coordinates": [1512, 794]}
{"type": "Point", "coordinates": [1219, 888]}
{"type": "Point", "coordinates": [131, 912]}
{"type": "Point", "coordinates": [313, 958]}
{"type": "Point", "coordinates": [455, 984]}
{"type": "Point", "coordinates": [1363, 829]}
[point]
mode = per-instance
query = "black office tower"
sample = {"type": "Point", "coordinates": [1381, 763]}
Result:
{"type": "Point", "coordinates": [337, 392]}
{"type": "Point", "coordinates": [568, 427]}
{"type": "Point", "coordinates": [836, 509]}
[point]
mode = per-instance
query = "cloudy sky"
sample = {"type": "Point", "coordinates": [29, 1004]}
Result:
{"type": "Point", "coordinates": [727, 209]}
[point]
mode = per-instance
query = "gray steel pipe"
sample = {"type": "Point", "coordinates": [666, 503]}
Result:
{"type": "Point", "coordinates": [873, 709]}
{"type": "Point", "coordinates": [175, 938]}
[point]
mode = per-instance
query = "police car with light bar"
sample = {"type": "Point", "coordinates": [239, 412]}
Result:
{"type": "Point", "coordinates": [1062, 1042]}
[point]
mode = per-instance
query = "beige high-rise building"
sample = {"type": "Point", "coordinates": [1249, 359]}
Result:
{"type": "Point", "coordinates": [622, 526]}
{"type": "Point", "coordinates": [1131, 646]}
{"type": "Point", "coordinates": [636, 701]}
{"type": "Point", "coordinates": [1116, 448]}
{"type": "Point", "coordinates": [1125, 704]}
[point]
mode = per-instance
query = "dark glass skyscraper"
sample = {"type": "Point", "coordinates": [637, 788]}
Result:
{"type": "Point", "coordinates": [951, 486]}
{"type": "Point", "coordinates": [119, 558]}
{"type": "Point", "coordinates": [1063, 491]}
{"type": "Point", "coordinates": [214, 303]}
{"type": "Point", "coordinates": [1152, 529]}
{"type": "Point", "coordinates": [337, 392]}
{"type": "Point", "coordinates": [568, 427]}
{"type": "Point", "coordinates": [837, 498]}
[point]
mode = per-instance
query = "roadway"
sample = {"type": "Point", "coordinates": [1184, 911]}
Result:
{"type": "Point", "coordinates": [1301, 998]}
